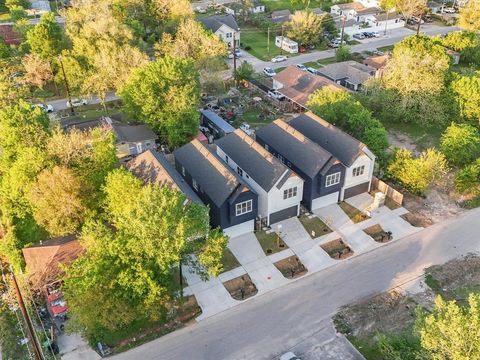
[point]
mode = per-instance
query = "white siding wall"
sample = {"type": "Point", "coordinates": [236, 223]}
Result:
{"type": "Point", "coordinates": [275, 196]}
{"type": "Point", "coordinates": [262, 194]}
{"type": "Point", "coordinates": [222, 34]}
{"type": "Point", "coordinates": [351, 180]}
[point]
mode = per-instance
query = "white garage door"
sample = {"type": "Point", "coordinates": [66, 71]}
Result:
{"type": "Point", "coordinates": [325, 200]}
{"type": "Point", "coordinates": [240, 229]}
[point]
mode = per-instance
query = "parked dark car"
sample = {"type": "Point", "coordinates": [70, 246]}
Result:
{"type": "Point", "coordinates": [359, 36]}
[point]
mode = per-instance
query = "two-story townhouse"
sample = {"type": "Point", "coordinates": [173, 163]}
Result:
{"type": "Point", "coordinates": [233, 205]}
{"type": "Point", "coordinates": [225, 27]}
{"type": "Point", "coordinates": [322, 173]}
{"type": "Point", "coordinates": [279, 189]}
{"type": "Point", "coordinates": [358, 160]}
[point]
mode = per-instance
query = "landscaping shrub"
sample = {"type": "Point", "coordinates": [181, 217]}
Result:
{"type": "Point", "coordinates": [460, 143]}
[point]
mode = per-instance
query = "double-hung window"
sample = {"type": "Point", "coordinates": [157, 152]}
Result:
{"type": "Point", "coordinates": [289, 193]}
{"type": "Point", "coordinates": [240, 171]}
{"type": "Point", "coordinates": [243, 208]}
{"type": "Point", "coordinates": [332, 179]}
{"type": "Point", "coordinates": [359, 170]}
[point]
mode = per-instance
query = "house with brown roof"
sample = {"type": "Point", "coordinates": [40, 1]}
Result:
{"type": "Point", "coordinates": [45, 260]}
{"type": "Point", "coordinates": [280, 16]}
{"type": "Point", "coordinates": [377, 62]}
{"type": "Point", "coordinates": [298, 85]}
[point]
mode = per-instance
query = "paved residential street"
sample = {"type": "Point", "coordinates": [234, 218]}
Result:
{"type": "Point", "coordinates": [61, 104]}
{"type": "Point", "coordinates": [392, 37]}
{"type": "Point", "coordinates": [289, 316]}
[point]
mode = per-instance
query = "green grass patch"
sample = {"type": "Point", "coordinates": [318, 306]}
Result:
{"type": "Point", "coordinates": [314, 226]}
{"type": "Point", "coordinates": [258, 42]}
{"type": "Point", "coordinates": [353, 213]}
{"type": "Point", "coordinates": [367, 347]}
{"type": "Point", "coordinates": [386, 48]}
{"type": "Point", "coordinates": [271, 243]}
{"type": "Point", "coordinates": [229, 261]}
{"type": "Point", "coordinates": [273, 5]}
{"type": "Point", "coordinates": [327, 61]}
{"type": "Point", "coordinates": [312, 64]}
{"type": "Point", "coordinates": [433, 283]}
{"type": "Point", "coordinates": [255, 117]}
{"type": "Point", "coordinates": [424, 136]}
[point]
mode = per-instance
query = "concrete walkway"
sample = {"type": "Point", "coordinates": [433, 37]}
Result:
{"type": "Point", "coordinates": [73, 347]}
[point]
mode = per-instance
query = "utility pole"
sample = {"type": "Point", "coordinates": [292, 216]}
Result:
{"type": "Point", "coordinates": [234, 61]}
{"type": "Point", "coordinates": [268, 41]}
{"type": "Point", "coordinates": [344, 18]}
{"type": "Point", "coordinates": [36, 346]}
{"type": "Point", "coordinates": [66, 85]}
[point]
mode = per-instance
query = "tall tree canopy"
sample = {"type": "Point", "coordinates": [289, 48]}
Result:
{"type": "Point", "coordinates": [129, 268]}
{"type": "Point", "coordinates": [305, 27]}
{"type": "Point", "coordinates": [467, 96]}
{"type": "Point", "coordinates": [46, 38]}
{"type": "Point", "coordinates": [461, 144]}
{"type": "Point", "coordinates": [470, 16]}
{"type": "Point", "coordinates": [165, 95]}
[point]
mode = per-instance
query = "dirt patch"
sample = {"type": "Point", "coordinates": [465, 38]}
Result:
{"type": "Point", "coordinates": [377, 233]}
{"type": "Point", "coordinates": [399, 140]}
{"type": "Point", "coordinates": [337, 249]}
{"type": "Point", "coordinates": [291, 267]}
{"type": "Point", "coordinates": [417, 219]}
{"type": "Point", "coordinates": [241, 287]}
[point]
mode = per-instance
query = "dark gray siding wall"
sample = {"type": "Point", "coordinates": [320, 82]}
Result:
{"type": "Point", "coordinates": [228, 210]}
{"type": "Point", "coordinates": [321, 181]}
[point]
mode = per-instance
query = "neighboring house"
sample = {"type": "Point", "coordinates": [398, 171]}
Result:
{"type": "Point", "coordinates": [358, 160]}
{"type": "Point", "coordinates": [349, 10]}
{"type": "Point", "coordinates": [216, 125]}
{"type": "Point", "coordinates": [435, 7]}
{"type": "Point", "coordinates": [280, 16]}
{"type": "Point", "coordinates": [130, 139]}
{"type": "Point", "coordinates": [225, 27]}
{"type": "Point", "coordinates": [153, 167]}
{"type": "Point", "coordinates": [235, 8]}
{"type": "Point", "coordinates": [232, 204]}
{"type": "Point", "coordinates": [298, 85]}
{"type": "Point", "coordinates": [279, 189]}
{"type": "Point", "coordinates": [322, 173]}
{"type": "Point", "coordinates": [378, 63]}
{"type": "Point", "coordinates": [369, 3]}
{"type": "Point", "coordinates": [349, 74]}
{"type": "Point", "coordinates": [44, 261]}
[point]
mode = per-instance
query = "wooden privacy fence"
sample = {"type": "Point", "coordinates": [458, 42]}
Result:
{"type": "Point", "coordinates": [389, 191]}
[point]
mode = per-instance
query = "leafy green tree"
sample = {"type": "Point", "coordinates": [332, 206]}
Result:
{"type": "Point", "coordinates": [46, 38]}
{"type": "Point", "coordinates": [467, 180]}
{"type": "Point", "coordinates": [409, 8]}
{"type": "Point", "coordinates": [305, 27]}
{"type": "Point", "coordinates": [12, 88]}
{"type": "Point", "coordinates": [459, 40]}
{"type": "Point", "coordinates": [418, 65]}
{"type": "Point", "coordinates": [57, 202]}
{"type": "Point", "coordinates": [4, 49]}
{"type": "Point", "coordinates": [38, 72]}
{"type": "Point", "coordinates": [129, 268]}
{"type": "Point", "coordinates": [343, 53]}
{"type": "Point", "coordinates": [12, 3]}
{"type": "Point", "coordinates": [467, 96]}
{"type": "Point", "coordinates": [17, 13]}
{"type": "Point", "coordinates": [450, 331]}
{"type": "Point", "coordinates": [244, 72]}
{"type": "Point", "coordinates": [192, 41]}
{"type": "Point", "coordinates": [460, 144]}
{"type": "Point", "coordinates": [165, 94]}
{"type": "Point", "coordinates": [470, 16]}
{"type": "Point", "coordinates": [342, 110]}
{"type": "Point", "coordinates": [417, 174]}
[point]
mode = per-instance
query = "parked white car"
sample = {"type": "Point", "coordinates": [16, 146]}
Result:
{"type": "Point", "coordinates": [269, 71]}
{"type": "Point", "coordinates": [289, 356]}
{"type": "Point", "coordinates": [449, 10]}
{"type": "Point", "coordinates": [46, 107]}
{"type": "Point", "coordinates": [246, 129]}
{"type": "Point", "coordinates": [77, 102]}
{"type": "Point", "coordinates": [279, 58]}
{"type": "Point", "coordinates": [302, 67]}
{"type": "Point", "coordinates": [276, 95]}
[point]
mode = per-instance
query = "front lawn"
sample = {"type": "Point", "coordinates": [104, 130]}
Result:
{"type": "Point", "coordinates": [229, 261]}
{"type": "Point", "coordinates": [273, 5]}
{"type": "Point", "coordinates": [271, 243]}
{"type": "Point", "coordinates": [257, 40]}
{"type": "Point", "coordinates": [314, 226]}
{"type": "Point", "coordinates": [353, 213]}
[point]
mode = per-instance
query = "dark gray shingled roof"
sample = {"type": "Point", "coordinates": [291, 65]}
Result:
{"type": "Point", "coordinates": [216, 21]}
{"type": "Point", "coordinates": [153, 167]}
{"type": "Point", "coordinates": [294, 146]}
{"type": "Point", "coordinates": [340, 144]}
{"type": "Point", "coordinates": [214, 177]}
{"type": "Point", "coordinates": [258, 163]}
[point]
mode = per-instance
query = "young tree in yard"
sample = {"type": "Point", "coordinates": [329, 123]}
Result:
{"type": "Point", "coordinates": [418, 174]}
{"type": "Point", "coordinates": [460, 144]}
{"type": "Point", "coordinates": [130, 267]}
{"type": "Point", "coordinates": [343, 53]}
{"type": "Point", "coordinates": [46, 38]}
{"type": "Point", "coordinates": [165, 95]}
{"type": "Point", "coordinates": [467, 96]}
{"type": "Point", "coordinates": [418, 65]}
{"type": "Point", "coordinates": [38, 72]}
{"type": "Point", "coordinates": [470, 16]}
{"type": "Point", "coordinates": [467, 180]}
{"type": "Point", "coordinates": [244, 71]}
{"type": "Point", "coordinates": [450, 331]}
{"type": "Point", "coordinates": [305, 27]}
{"type": "Point", "coordinates": [57, 202]}
{"type": "Point", "coordinates": [409, 8]}
{"type": "Point", "coordinates": [191, 41]}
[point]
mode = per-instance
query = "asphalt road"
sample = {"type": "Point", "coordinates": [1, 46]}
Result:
{"type": "Point", "coordinates": [265, 327]}
{"type": "Point", "coordinates": [391, 38]}
{"type": "Point", "coordinates": [61, 104]}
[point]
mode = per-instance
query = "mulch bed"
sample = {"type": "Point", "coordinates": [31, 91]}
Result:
{"type": "Point", "coordinates": [353, 213]}
{"type": "Point", "coordinates": [291, 267]}
{"type": "Point", "coordinates": [241, 287]}
{"type": "Point", "coordinates": [337, 249]}
{"type": "Point", "coordinates": [417, 220]}
{"type": "Point", "coordinates": [377, 233]}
